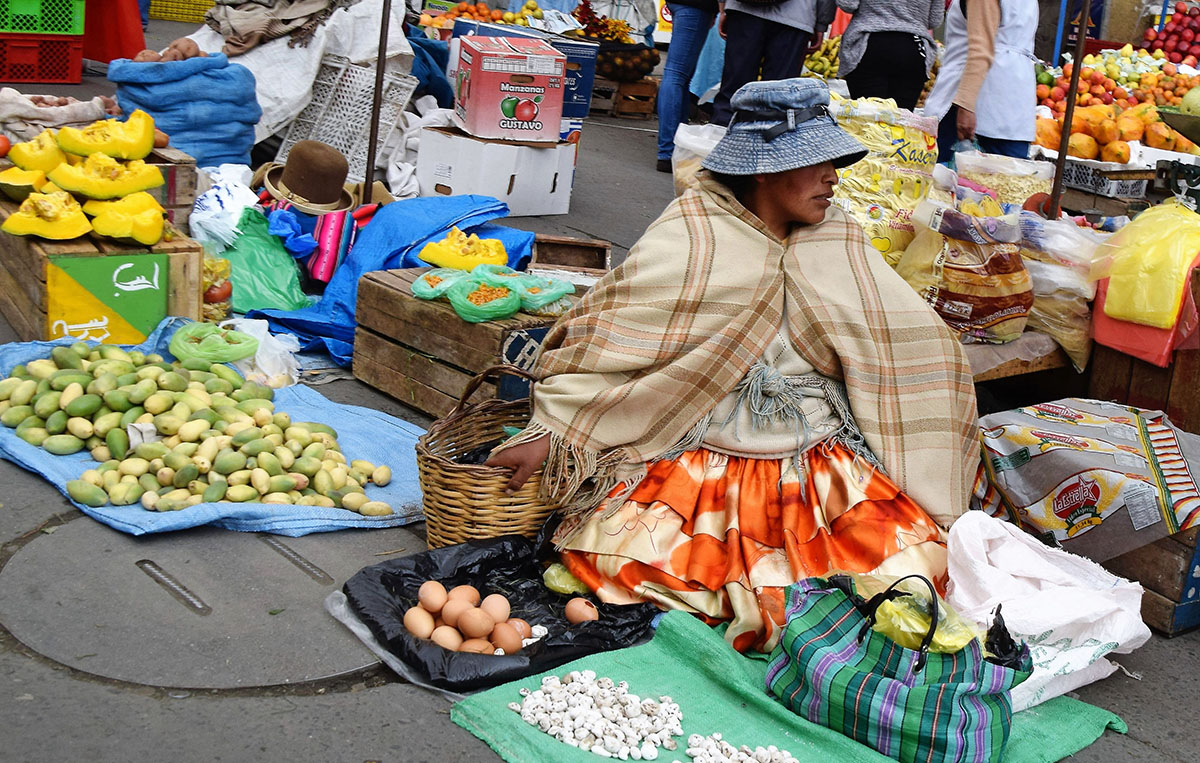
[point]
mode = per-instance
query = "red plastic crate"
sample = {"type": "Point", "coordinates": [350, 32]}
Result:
{"type": "Point", "coordinates": [41, 58]}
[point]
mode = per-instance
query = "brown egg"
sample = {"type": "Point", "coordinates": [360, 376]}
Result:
{"type": "Point", "coordinates": [580, 610]}
{"type": "Point", "coordinates": [418, 622]}
{"type": "Point", "coordinates": [468, 593]}
{"type": "Point", "coordinates": [453, 610]}
{"type": "Point", "coordinates": [438, 622]}
{"type": "Point", "coordinates": [432, 596]}
{"type": "Point", "coordinates": [521, 627]}
{"type": "Point", "coordinates": [447, 638]}
{"type": "Point", "coordinates": [477, 646]}
{"type": "Point", "coordinates": [496, 606]}
{"type": "Point", "coordinates": [506, 637]}
{"type": "Point", "coordinates": [475, 623]}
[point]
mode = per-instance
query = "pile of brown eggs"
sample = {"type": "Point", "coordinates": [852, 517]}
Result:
{"type": "Point", "coordinates": [460, 621]}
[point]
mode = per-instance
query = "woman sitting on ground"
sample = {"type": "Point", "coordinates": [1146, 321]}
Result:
{"type": "Point", "coordinates": [754, 396]}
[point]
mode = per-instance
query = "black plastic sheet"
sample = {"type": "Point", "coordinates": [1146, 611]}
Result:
{"type": "Point", "coordinates": [507, 565]}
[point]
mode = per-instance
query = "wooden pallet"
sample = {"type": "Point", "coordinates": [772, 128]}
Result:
{"type": "Point", "coordinates": [1169, 569]}
{"type": "Point", "coordinates": [625, 99]}
{"type": "Point", "coordinates": [23, 261]}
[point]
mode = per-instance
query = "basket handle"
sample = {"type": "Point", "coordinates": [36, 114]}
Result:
{"type": "Point", "coordinates": [496, 370]}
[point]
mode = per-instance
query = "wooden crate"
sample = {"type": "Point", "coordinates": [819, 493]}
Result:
{"type": "Point", "coordinates": [177, 194]}
{"type": "Point", "coordinates": [625, 99]}
{"type": "Point", "coordinates": [23, 265]}
{"type": "Point", "coordinates": [1170, 568]}
{"type": "Point", "coordinates": [423, 354]}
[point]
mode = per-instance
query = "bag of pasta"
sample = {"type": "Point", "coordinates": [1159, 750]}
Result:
{"type": "Point", "coordinates": [970, 270]}
{"type": "Point", "coordinates": [882, 190]}
{"type": "Point", "coordinates": [1013, 180]}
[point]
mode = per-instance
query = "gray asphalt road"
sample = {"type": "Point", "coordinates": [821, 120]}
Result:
{"type": "Point", "coordinates": [99, 662]}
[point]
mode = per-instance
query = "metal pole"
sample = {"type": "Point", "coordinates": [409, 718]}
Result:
{"type": "Point", "coordinates": [376, 102]}
{"type": "Point", "coordinates": [1076, 70]}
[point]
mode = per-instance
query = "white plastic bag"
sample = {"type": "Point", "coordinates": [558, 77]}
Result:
{"type": "Point", "coordinates": [693, 143]}
{"type": "Point", "coordinates": [275, 363]}
{"type": "Point", "coordinates": [1070, 610]}
{"type": "Point", "coordinates": [215, 215]}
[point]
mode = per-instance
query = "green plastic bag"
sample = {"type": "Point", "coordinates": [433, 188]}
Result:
{"type": "Point", "coordinates": [501, 307]}
{"type": "Point", "coordinates": [436, 282]}
{"type": "Point", "coordinates": [540, 296]}
{"type": "Point", "coordinates": [264, 275]}
{"type": "Point", "coordinates": [207, 341]}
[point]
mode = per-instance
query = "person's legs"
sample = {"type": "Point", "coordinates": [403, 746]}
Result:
{"type": "Point", "coordinates": [144, 7]}
{"type": "Point", "coordinates": [1003, 146]}
{"type": "Point", "coordinates": [908, 71]}
{"type": "Point", "coordinates": [947, 136]}
{"type": "Point", "coordinates": [689, 28]}
{"type": "Point", "coordinates": [745, 37]}
{"type": "Point", "coordinates": [783, 53]}
{"type": "Point", "coordinates": [891, 67]}
{"type": "Point", "coordinates": [869, 79]}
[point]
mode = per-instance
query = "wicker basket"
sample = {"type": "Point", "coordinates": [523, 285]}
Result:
{"type": "Point", "coordinates": [466, 501]}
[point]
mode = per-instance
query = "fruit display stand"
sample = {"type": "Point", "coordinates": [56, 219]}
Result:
{"type": "Point", "coordinates": [625, 99]}
{"type": "Point", "coordinates": [95, 288]}
{"type": "Point", "coordinates": [421, 353]}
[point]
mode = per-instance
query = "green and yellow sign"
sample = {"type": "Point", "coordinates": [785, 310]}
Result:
{"type": "Point", "coordinates": [114, 299]}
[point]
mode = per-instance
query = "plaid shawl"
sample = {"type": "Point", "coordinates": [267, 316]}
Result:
{"type": "Point", "coordinates": [627, 373]}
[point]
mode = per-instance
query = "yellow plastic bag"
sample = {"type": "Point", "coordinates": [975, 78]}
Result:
{"type": "Point", "coordinates": [882, 190]}
{"type": "Point", "coordinates": [1153, 257]}
{"type": "Point", "coordinates": [905, 619]}
{"type": "Point", "coordinates": [464, 252]}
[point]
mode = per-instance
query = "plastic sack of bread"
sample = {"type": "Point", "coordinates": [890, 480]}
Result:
{"type": "Point", "coordinates": [1153, 259]}
{"type": "Point", "coordinates": [692, 144]}
{"type": "Point", "coordinates": [970, 270]}
{"type": "Point", "coordinates": [1095, 478]}
{"type": "Point", "coordinates": [882, 190]}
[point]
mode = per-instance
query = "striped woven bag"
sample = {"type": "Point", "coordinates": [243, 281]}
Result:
{"type": "Point", "coordinates": [832, 668]}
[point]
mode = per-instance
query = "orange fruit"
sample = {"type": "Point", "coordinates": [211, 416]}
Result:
{"type": "Point", "coordinates": [1158, 135]}
{"type": "Point", "coordinates": [461, 7]}
{"type": "Point", "coordinates": [1129, 128]}
{"type": "Point", "coordinates": [1116, 152]}
{"type": "Point", "coordinates": [1106, 132]}
{"type": "Point", "coordinates": [1049, 133]}
{"type": "Point", "coordinates": [1043, 92]}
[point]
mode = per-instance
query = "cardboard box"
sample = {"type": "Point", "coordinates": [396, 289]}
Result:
{"type": "Point", "coordinates": [532, 178]}
{"type": "Point", "coordinates": [437, 7]}
{"type": "Point", "coordinates": [581, 59]}
{"type": "Point", "coordinates": [509, 88]}
{"type": "Point", "coordinates": [570, 130]}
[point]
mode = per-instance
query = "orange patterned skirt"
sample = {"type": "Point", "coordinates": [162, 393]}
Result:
{"type": "Point", "coordinates": [723, 536]}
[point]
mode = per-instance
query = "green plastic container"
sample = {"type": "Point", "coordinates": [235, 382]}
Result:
{"type": "Point", "coordinates": [42, 16]}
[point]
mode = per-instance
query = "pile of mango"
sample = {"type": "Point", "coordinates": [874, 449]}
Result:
{"type": "Point", "coordinates": [102, 165]}
{"type": "Point", "coordinates": [203, 434]}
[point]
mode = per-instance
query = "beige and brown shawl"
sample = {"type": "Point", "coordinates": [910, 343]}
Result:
{"type": "Point", "coordinates": [661, 339]}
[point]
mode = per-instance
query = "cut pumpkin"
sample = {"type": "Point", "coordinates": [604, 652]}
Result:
{"type": "Point", "coordinates": [17, 183]}
{"type": "Point", "coordinates": [41, 153]}
{"type": "Point", "coordinates": [144, 227]}
{"type": "Point", "coordinates": [131, 139]}
{"type": "Point", "coordinates": [102, 177]}
{"type": "Point", "coordinates": [55, 216]}
{"type": "Point", "coordinates": [130, 205]}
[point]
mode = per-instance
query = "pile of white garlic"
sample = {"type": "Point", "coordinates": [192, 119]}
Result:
{"type": "Point", "coordinates": [714, 749]}
{"type": "Point", "coordinates": [601, 716]}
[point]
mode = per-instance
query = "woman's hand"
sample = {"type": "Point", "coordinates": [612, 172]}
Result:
{"type": "Point", "coordinates": [966, 124]}
{"type": "Point", "coordinates": [721, 24]}
{"type": "Point", "coordinates": [523, 459]}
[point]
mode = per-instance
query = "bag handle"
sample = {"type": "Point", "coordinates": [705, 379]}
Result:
{"type": "Point", "coordinates": [473, 386]}
{"type": "Point", "coordinates": [891, 592]}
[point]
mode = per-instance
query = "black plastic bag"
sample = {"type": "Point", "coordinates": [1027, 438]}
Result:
{"type": "Point", "coordinates": [507, 565]}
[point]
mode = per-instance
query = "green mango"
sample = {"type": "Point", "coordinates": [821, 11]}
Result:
{"type": "Point", "coordinates": [176, 461]}
{"type": "Point", "coordinates": [66, 378]}
{"type": "Point", "coordinates": [228, 462]}
{"type": "Point", "coordinates": [228, 374]}
{"type": "Point", "coordinates": [106, 382]}
{"type": "Point", "coordinates": [118, 443]}
{"type": "Point", "coordinates": [252, 406]}
{"type": "Point", "coordinates": [215, 491]}
{"type": "Point", "coordinates": [7, 386]}
{"type": "Point", "coordinates": [35, 436]}
{"type": "Point", "coordinates": [19, 371]}
{"type": "Point", "coordinates": [248, 434]}
{"type": "Point", "coordinates": [117, 400]}
{"type": "Point", "coordinates": [47, 403]}
{"type": "Point", "coordinates": [185, 475]}
{"type": "Point", "coordinates": [195, 364]}
{"type": "Point", "coordinates": [254, 447]}
{"type": "Point", "coordinates": [112, 352]}
{"type": "Point", "coordinates": [172, 382]}
{"type": "Point", "coordinates": [84, 405]}
{"type": "Point", "coordinates": [241, 493]}
{"type": "Point", "coordinates": [307, 466]}
{"type": "Point", "coordinates": [269, 462]}
{"type": "Point", "coordinates": [168, 423]}
{"type": "Point", "coordinates": [126, 493]}
{"type": "Point", "coordinates": [149, 483]}
{"type": "Point", "coordinates": [143, 389]}
{"type": "Point", "coordinates": [62, 444]}
{"type": "Point", "coordinates": [82, 349]}
{"type": "Point", "coordinates": [205, 414]}
{"type": "Point", "coordinates": [171, 504]}
{"type": "Point", "coordinates": [15, 415]}
{"type": "Point", "coordinates": [151, 450]}
{"type": "Point", "coordinates": [159, 402]}
{"type": "Point", "coordinates": [132, 415]}
{"type": "Point", "coordinates": [137, 357]}
{"type": "Point", "coordinates": [86, 493]}
{"type": "Point", "coordinates": [56, 423]}
{"type": "Point", "coordinates": [65, 357]}
{"type": "Point", "coordinates": [282, 484]}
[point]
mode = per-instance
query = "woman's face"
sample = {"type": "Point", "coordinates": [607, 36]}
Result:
{"type": "Point", "coordinates": [796, 197]}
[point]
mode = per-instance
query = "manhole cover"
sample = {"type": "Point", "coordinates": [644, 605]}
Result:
{"type": "Point", "coordinates": [205, 608]}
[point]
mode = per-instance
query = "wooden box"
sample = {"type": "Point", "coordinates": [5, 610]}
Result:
{"type": "Point", "coordinates": [423, 354]}
{"type": "Point", "coordinates": [625, 99]}
{"type": "Point", "coordinates": [28, 304]}
{"type": "Point", "coordinates": [1170, 568]}
{"type": "Point", "coordinates": [177, 194]}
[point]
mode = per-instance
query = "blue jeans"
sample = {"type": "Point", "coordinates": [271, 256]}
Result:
{"type": "Point", "coordinates": [689, 29]}
{"type": "Point", "coordinates": [144, 7]}
{"type": "Point", "coordinates": [948, 136]}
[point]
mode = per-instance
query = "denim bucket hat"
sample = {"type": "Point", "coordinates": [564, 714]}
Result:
{"type": "Point", "coordinates": [780, 125]}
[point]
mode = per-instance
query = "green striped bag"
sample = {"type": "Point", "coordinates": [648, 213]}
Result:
{"type": "Point", "coordinates": [833, 668]}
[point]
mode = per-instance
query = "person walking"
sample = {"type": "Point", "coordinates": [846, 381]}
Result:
{"type": "Point", "coordinates": [768, 41]}
{"type": "Point", "coordinates": [985, 89]}
{"type": "Point", "coordinates": [690, 22]}
{"type": "Point", "coordinates": [887, 51]}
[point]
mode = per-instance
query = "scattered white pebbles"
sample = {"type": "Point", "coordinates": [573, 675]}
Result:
{"type": "Point", "coordinates": [714, 749]}
{"type": "Point", "coordinates": [601, 716]}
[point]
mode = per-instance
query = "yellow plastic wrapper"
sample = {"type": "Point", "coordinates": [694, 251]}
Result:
{"type": "Point", "coordinates": [1153, 257]}
{"type": "Point", "coordinates": [463, 252]}
{"type": "Point", "coordinates": [905, 620]}
{"type": "Point", "coordinates": [560, 580]}
{"type": "Point", "coordinates": [882, 190]}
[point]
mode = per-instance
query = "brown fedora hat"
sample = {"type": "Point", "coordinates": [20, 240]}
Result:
{"type": "Point", "coordinates": [312, 180]}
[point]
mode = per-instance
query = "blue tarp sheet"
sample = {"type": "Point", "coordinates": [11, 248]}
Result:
{"type": "Point", "coordinates": [362, 433]}
{"type": "Point", "coordinates": [394, 238]}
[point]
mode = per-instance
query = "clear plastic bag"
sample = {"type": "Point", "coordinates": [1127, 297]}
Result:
{"type": "Point", "coordinates": [274, 363]}
{"type": "Point", "coordinates": [1062, 242]}
{"type": "Point", "coordinates": [693, 143]}
{"type": "Point", "coordinates": [1014, 180]}
{"type": "Point", "coordinates": [1060, 308]}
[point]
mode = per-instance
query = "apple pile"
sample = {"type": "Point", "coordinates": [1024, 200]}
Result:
{"type": "Point", "coordinates": [1179, 36]}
